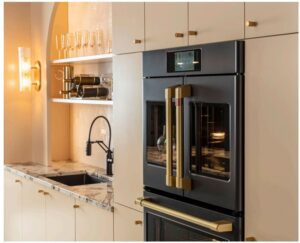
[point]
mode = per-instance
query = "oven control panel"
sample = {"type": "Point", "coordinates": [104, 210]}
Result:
{"type": "Point", "coordinates": [184, 61]}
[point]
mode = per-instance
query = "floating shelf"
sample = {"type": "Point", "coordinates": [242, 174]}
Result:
{"type": "Point", "coordinates": [81, 101]}
{"type": "Point", "coordinates": [85, 59]}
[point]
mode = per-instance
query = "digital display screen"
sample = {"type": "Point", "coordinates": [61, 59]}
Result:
{"type": "Point", "coordinates": [183, 61]}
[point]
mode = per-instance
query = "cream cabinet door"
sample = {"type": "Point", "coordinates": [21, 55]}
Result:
{"type": "Point", "coordinates": [128, 27]}
{"type": "Point", "coordinates": [271, 128]}
{"type": "Point", "coordinates": [12, 207]}
{"type": "Point", "coordinates": [127, 127]}
{"type": "Point", "coordinates": [166, 25]}
{"type": "Point", "coordinates": [128, 224]}
{"type": "Point", "coordinates": [271, 18]}
{"type": "Point", "coordinates": [213, 22]}
{"type": "Point", "coordinates": [60, 217]}
{"type": "Point", "coordinates": [33, 208]}
{"type": "Point", "coordinates": [93, 223]}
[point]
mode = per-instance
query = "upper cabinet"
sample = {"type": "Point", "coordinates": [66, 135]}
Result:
{"type": "Point", "coordinates": [213, 22]}
{"type": "Point", "coordinates": [264, 19]}
{"type": "Point", "coordinates": [166, 25]}
{"type": "Point", "coordinates": [128, 27]}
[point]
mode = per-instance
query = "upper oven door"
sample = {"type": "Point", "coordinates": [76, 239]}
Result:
{"type": "Point", "coordinates": [159, 123]}
{"type": "Point", "coordinates": [213, 140]}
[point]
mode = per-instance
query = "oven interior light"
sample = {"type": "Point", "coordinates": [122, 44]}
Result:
{"type": "Point", "coordinates": [218, 135]}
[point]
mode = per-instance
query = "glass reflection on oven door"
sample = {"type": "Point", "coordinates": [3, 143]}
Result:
{"type": "Point", "coordinates": [161, 228]}
{"type": "Point", "coordinates": [210, 139]}
{"type": "Point", "coordinates": [156, 133]}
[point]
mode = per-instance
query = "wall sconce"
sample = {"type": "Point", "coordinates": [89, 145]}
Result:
{"type": "Point", "coordinates": [27, 72]}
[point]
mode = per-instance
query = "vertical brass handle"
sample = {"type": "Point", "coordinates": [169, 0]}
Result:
{"type": "Point", "coordinates": [180, 93]}
{"type": "Point", "coordinates": [136, 41]}
{"type": "Point", "coordinates": [169, 94]}
{"type": "Point", "coordinates": [179, 35]}
{"type": "Point", "coordinates": [193, 32]}
{"type": "Point", "coordinates": [251, 23]}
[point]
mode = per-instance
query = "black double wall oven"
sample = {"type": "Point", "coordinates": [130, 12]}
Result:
{"type": "Point", "coordinates": [193, 143]}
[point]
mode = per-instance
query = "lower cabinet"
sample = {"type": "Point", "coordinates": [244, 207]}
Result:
{"type": "Point", "coordinates": [13, 207]}
{"type": "Point", "coordinates": [92, 223]}
{"type": "Point", "coordinates": [33, 212]}
{"type": "Point", "coordinates": [60, 217]}
{"type": "Point", "coordinates": [128, 224]}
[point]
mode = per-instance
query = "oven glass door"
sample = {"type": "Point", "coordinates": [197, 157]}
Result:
{"type": "Point", "coordinates": [212, 140]}
{"type": "Point", "coordinates": [155, 132]}
{"type": "Point", "coordinates": [161, 228]}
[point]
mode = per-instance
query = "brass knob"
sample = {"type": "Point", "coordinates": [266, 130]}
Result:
{"type": "Point", "coordinates": [17, 181]}
{"type": "Point", "coordinates": [193, 32]}
{"type": "Point", "coordinates": [251, 23]}
{"type": "Point", "coordinates": [250, 238]}
{"type": "Point", "coordinates": [40, 191]}
{"type": "Point", "coordinates": [46, 193]}
{"type": "Point", "coordinates": [136, 41]}
{"type": "Point", "coordinates": [75, 206]}
{"type": "Point", "coordinates": [179, 35]}
{"type": "Point", "coordinates": [138, 222]}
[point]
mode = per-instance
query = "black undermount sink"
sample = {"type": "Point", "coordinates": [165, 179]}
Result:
{"type": "Point", "coordinates": [77, 179]}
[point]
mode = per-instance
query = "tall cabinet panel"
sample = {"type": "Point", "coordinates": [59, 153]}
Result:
{"type": "Point", "coordinates": [271, 166]}
{"type": "Point", "coordinates": [128, 27]}
{"type": "Point", "coordinates": [166, 25]}
{"type": "Point", "coordinates": [127, 127]}
{"type": "Point", "coordinates": [13, 207]}
{"type": "Point", "coordinates": [264, 19]}
{"type": "Point", "coordinates": [214, 22]}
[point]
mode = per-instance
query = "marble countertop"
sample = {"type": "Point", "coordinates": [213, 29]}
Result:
{"type": "Point", "coordinates": [100, 195]}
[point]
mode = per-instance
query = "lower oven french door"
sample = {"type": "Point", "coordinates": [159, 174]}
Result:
{"type": "Point", "coordinates": [168, 219]}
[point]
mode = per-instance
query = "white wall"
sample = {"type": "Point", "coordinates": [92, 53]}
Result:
{"type": "Point", "coordinates": [17, 105]}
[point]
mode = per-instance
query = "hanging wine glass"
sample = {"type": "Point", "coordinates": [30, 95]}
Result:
{"type": "Point", "coordinates": [99, 40]}
{"type": "Point", "coordinates": [70, 43]}
{"type": "Point", "coordinates": [92, 40]}
{"type": "Point", "coordinates": [63, 44]}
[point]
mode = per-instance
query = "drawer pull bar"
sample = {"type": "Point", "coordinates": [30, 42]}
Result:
{"type": "Point", "coordinates": [179, 35]}
{"type": "Point", "coordinates": [75, 206]}
{"type": "Point", "coordinates": [46, 193]}
{"type": "Point", "coordinates": [137, 41]}
{"type": "Point", "coordinates": [217, 226]}
{"type": "Point", "coordinates": [251, 23]}
{"type": "Point", "coordinates": [17, 181]}
{"type": "Point", "coordinates": [137, 222]}
{"type": "Point", "coordinates": [193, 32]}
{"type": "Point", "coordinates": [40, 191]}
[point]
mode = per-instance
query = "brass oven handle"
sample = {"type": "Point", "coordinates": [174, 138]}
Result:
{"type": "Point", "coordinates": [217, 226]}
{"type": "Point", "coordinates": [180, 93]}
{"type": "Point", "coordinates": [169, 94]}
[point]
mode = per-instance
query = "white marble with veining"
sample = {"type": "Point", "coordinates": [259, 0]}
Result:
{"type": "Point", "coordinates": [100, 195]}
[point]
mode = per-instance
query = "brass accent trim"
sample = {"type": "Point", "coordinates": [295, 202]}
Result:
{"type": "Point", "coordinates": [180, 93]}
{"type": "Point", "coordinates": [193, 32]}
{"type": "Point", "coordinates": [37, 75]}
{"type": "Point", "coordinates": [17, 181]}
{"type": "Point", "coordinates": [169, 95]}
{"type": "Point", "coordinates": [137, 41]}
{"type": "Point", "coordinates": [179, 35]}
{"type": "Point", "coordinates": [217, 226]}
{"type": "Point", "coordinates": [40, 191]}
{"type": "Point", "coordinates": [251, 23]}
{"type": "Point", "coordinates": [75, 206]}
{"type": "Point", "coordinates": [138, 222]}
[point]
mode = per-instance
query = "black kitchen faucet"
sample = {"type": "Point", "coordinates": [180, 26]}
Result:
{"type": "Point", "coordinates": [107, 149]}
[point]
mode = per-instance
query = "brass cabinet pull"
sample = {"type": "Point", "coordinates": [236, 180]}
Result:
{"type": "Point", "coordinates": [180, 93]}
{"type": "Point", "coordinates": [17, 181]}
{"type": "Point", "coordinates": [40, 191]}
{"type": "Point", "coordinates": [193, 32]}
{"type": "Point", "coordinates": [75, 206]}
{"type": "Point", "coordinates": [179, 35]}
{"type": "Point", "coordinates": [251, 23]}
{"type": "Point", "coordinates": [138, 222]}
{"type": "Point", "coordinates": [46, 193]}
{"type": "Point", "coordinates": [217, 226]}
{"type": "Point", "coordinates": [169, 94]}
{"type": "Point", "coordinates": [250, 238]}
{"type": "Point", "coordinates": [136, 41]}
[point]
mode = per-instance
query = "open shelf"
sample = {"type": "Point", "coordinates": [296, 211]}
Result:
{"type": "Point", "coordinates": [82, 101]}
{"type": "Point", "coordinates": [85, 59]}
